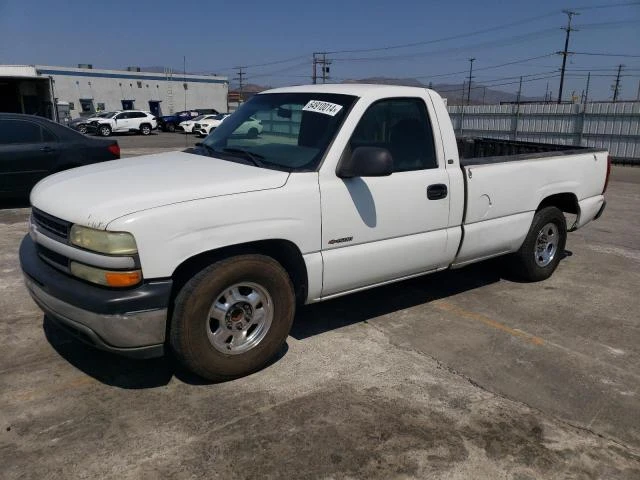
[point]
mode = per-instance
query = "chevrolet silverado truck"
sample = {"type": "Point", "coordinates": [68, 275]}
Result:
{"type": "Point", "coordinates": [208, 254]}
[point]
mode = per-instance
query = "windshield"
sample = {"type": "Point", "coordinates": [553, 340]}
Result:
{"type": "Point", "coordinates": [106, 114]}
{"type": "Point", "coordinates": [199, 117]}
{"type": "Point", "coordinates": [288, 131]}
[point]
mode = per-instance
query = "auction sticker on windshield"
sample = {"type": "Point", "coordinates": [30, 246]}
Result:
{"type": "Point", "coordinates": [318, 106]}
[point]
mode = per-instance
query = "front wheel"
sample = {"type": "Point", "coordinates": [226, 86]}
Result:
{"type": "Point", "coordinates": [82, 129]}
{"type": "Point", "coordinates": [231, 318]}
{"type": "Point", "coordinates": [104, 130]}
{"type": "Point", "coordinates": [539, 255]}
{"type": "Point", "coordinates": [170, 127]}
{"type": "Point", "coordinates": [145, 129]}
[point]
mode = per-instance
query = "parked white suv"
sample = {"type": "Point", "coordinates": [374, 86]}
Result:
{"type": "Point", "coordinates": [203, 127]}
{"type": "Point", "coordinates": [125, 121]}
{"type": "Point", "coordinates": [187, 125]}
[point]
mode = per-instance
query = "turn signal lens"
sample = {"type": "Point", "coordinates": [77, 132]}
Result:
{"type": "Point", "coordinates": [123, 279]}
{"type": "Point", "coordinates": [106, 277]}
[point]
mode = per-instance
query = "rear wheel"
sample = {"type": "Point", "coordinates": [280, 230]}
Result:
{"type": "Point", "coordinates": [104, 130]}
{"type": "Point", "coordinates": [539, 255]}
{"type": "Point", "coordinates": [170, 127]}
{"type": "Point", "coordinates": [82, 129]}
{"type": "Point", "coordinates": [253, 132]}
{"type": "Point", "coordinates": [232, 317]}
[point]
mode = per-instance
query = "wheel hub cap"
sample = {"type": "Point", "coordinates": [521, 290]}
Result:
{"type": "Point", "coordinates": [546, 244]}
{"type": "Point", "coordinates": [239, 318]}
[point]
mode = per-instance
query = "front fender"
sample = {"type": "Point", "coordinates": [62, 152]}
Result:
{"type": "Point", "coordinates": [169, 235]}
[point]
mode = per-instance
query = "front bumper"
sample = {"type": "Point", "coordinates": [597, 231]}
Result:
{"type": "Point", "coordinates": [129, 322]}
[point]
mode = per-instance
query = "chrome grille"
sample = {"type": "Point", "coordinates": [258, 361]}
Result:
{"type": "Point", "coordinates": [50, 225]}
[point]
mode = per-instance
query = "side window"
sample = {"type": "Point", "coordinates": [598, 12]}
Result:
{"type": "Point", "coordinates": [19, 131]}
{"type": "Point", "coordinates": [122, 116]}
{"type": "Point", "coordinates": [47, 136]}
{"type": "Point", "coordinates": [402, 126]}
{"type": "Point", "coordinates": [137, 115]}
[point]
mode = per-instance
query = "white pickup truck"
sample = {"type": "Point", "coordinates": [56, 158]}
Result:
{"type": "Point", "coordinates": [347, 187]}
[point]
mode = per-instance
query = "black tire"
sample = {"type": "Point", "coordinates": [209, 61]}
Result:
{"type": "Point", "coordinates": [104, 130]}
{"type": "Point", "coordinates": [170, 127]}
{"type": "Point", "coordinates": [145, 129]}
{"type": "Point", "coordinates": [82, 129]}
{"type": "Point", "coordinates": [189, 336]}
{"type": "Point", "coordinates": [528, 263]}
{"type": "Point", "coordinates": [253, 132]}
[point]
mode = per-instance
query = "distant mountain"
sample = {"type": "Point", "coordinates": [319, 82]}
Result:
{"type": "Point", "coordinates": [453, 92]}
{"type": "Point", "coordinates": [408, 82]}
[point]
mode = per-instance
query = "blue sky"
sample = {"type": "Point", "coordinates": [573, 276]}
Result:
{"type": "Point", "coordinates": [216, 36]}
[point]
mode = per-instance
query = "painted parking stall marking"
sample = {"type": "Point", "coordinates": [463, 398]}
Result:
{"type": "Point", "coordinates": [319, 106]}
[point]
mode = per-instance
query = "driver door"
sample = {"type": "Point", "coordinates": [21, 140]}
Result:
{"type": "Point", "coordinates": [378, 229]}
{"type": "Point", "coordinates": [122, 122]}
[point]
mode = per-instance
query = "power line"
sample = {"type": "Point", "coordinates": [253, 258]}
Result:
{"type": "Point", "coordinates": [607, 5]}
{"type": "Point", "coordinates": [491, 67]}
{"type": "Point", "coordinates": [444, 39]}
{"type": "Point", "coordinates": [604, 54]}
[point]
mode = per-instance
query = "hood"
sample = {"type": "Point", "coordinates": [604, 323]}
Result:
{"type": "Point", "coordinates": [97, 194]}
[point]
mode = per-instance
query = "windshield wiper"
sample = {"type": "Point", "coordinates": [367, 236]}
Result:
{"type": "Point", "coordinates": [210, 150]}
{"type": "Point", "coordinates": [255, 158]}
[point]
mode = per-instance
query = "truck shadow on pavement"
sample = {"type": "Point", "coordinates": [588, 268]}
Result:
{"type": "Point", "coordinates": [312, 320]}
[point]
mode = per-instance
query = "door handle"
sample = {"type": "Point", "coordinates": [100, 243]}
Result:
{"type": "Point", "coordinates": [436, 191]}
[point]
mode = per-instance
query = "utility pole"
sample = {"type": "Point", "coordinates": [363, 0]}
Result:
{"type": "Point", "coordinates": [616, 85]}
{"type": "Point", "coordinates": [515, 127]}
{"type": "Point", "coordinates": [320, 58]}
{"type": "Point", "coordinates": [314, 75]}
{"type": "Point", "coordinates": [586, 92]}
{"type": "Point", "coordinates": [566, 51]}
{"type": "Point", "coordinates": [240, 77]}
{"type": "Point", "coordinates": [519, 93]}
{"type": "Point", "coordinates": [471, 60]}
{"type": "Point", "coordinates": [638, 95]}
{"type": "Point", "coordinates": [546, 93]}
{"type": "Point", "coordinates": [484, 94]}
{"type": "Point", "coordinates": [462, 108]}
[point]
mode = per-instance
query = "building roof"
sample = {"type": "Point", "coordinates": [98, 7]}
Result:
{"type": "Point", "coordinates": [35, 71]}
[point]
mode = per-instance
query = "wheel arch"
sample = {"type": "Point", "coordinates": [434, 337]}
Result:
{"type": "Point", "coordinates": [566, 202]}
{"type": "Point", "coordinates": [283, 251]}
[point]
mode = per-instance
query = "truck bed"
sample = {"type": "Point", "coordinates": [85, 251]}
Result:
{"type": "Point", "coordinates": [480, 150]}
{"type": "Point", "coordinates": [505, 182]}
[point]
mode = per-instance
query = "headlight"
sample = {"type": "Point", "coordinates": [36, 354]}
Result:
{"type": "Point", "coordinates": [106, 277]}
{"type": "Point", "coordinates": [113, 243]}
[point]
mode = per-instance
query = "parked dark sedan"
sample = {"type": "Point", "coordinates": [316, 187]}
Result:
{"type": "Point", "coordinates": [33, 147]}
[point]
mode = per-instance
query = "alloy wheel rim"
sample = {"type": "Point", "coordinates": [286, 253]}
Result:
{"type": "Point", "coordinates": [239, 318]}
{"type": "Point", "coordinates": [546, 246]}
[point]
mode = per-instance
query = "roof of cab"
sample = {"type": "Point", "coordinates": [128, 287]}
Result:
{"type": "Point", "coordinates": [356, 89]}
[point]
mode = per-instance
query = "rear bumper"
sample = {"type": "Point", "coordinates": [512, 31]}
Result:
{"type": "Point", "coordinates": [590, 209]}
{"type": "Point", "coordinates": [129, 322]}
{"type": "Point", "coordinates": [601, 211]}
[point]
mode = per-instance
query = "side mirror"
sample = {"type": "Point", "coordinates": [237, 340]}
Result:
{"type": "Point", "coordinates": [366, 162]}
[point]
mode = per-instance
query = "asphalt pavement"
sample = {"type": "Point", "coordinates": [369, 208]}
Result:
{"type": "Point", "coordinates": [462, 374]}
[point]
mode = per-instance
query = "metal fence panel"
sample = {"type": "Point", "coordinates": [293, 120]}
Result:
{"type": "Point", "coordinates": [614, 126]}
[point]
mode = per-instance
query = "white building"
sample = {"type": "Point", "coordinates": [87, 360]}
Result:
{"type": "Point", "coordinates": [34, 89]}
